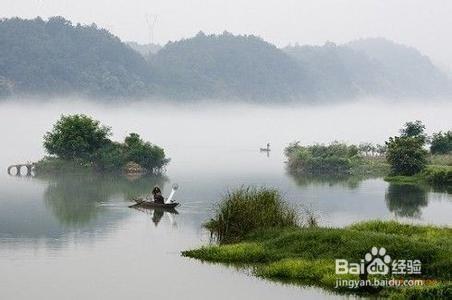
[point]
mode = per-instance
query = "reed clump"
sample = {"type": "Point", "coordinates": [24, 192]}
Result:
{"type": "Point", "coordinates": [250, 208]}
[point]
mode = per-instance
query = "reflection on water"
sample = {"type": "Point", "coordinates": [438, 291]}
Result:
{"type": "Point", "coordinates": [80, 227]}
{"type": "Point", "coordinates": [76, 199]}
{"type": "Point", "coordinates": [158, 213]}
{"type": "Point", "coordinates": [406, 200]}
{"type": "Point", "coordinates": [348, 181]}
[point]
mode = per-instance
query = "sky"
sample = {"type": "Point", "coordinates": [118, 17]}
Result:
{"type": "Point", "coordinates": [424, 24]}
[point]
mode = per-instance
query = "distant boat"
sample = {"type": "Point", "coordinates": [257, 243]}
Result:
{"type": "Point", "coordinates": [265, 149]}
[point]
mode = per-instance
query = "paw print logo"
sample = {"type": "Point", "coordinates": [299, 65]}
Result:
{"type": "Point", "coordinates": [377, 261]}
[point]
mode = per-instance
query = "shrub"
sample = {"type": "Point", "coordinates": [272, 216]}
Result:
{"type": "Point", "coordinates": [246, 209]}
{"type": "Point", "coordinates": [143, 153]}
{"type": "Point", "coordinates": [406, 155]}
{"type": "Point", "coordinates": [439, 175]}
{"type": "Point", "coordinates": [336, 158]}
{"type": "Point", "coordinates": [441, 143]}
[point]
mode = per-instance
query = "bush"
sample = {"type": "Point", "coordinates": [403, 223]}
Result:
{"type": "Point", "coordinates": [111, 157]}
{"type": "Point", "coordinates": [336, 158]}
{"type": "Point", "coordinates": [439, 175]}
{"type": "Point", "coordinates": [406, 155]}
{"type": "Point", "coordinates": [441, 143]}
{"type": "Point", "coordinates": [143, 153]}
{"type": "Point", "coordinates": [247, 209]}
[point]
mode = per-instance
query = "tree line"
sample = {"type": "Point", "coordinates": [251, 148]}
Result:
{"type": "Point", "coordinates": [56, 57]}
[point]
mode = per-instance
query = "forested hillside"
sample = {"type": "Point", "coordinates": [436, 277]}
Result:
{"type": "Point", "coordinates": [228, 66]}
{"type": "Point", "coordinates": [58, 58]}
{"type": "Point", "coordinates": [55, 57]}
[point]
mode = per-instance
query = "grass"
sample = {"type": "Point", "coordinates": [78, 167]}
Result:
{"type": "Point", "coordinates": [267, 238]}
{"type": "Point", "coordinates": [247, 209]}
{"type": "Point", "coordinates": [306, 255]}
{"type": "Point", "coordinates": [440, 176]}
{"type": "Point", "coordinates": [440, 159]}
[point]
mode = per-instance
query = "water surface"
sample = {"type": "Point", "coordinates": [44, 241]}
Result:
{"type": "Point", "coordinates": [72, 237]}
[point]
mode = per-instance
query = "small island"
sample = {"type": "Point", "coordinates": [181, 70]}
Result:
{"type": "Point", "coordinates": [80, 143]}
{"type": "Point", "coordinates": [403, 159]}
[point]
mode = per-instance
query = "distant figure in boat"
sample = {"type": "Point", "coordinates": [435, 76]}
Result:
{"type": "Point", "coordinates": [157, 193]}
{"type": "Point", "coordinates": [266, 149]}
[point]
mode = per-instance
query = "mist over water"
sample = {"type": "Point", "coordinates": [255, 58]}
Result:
{"type": "Point", "coordinates": [70, 223]}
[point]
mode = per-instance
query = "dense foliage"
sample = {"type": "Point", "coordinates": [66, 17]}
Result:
{"type": "Point", "coordinates": [335, 159]}
{"type": "Point", "coordinates": [406, 154]}
{"type": "Point", "coordinates": [441, 143]}
{"type": "Point", "coordinates": [80, 139]}
{"type": "Point", "coordinates": [57, 57]}
{"type": "Point", "coordinates": [76, 136]}
{"type": "Point", "coordinates": [227, 66]}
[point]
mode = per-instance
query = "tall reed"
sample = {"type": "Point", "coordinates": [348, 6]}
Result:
{"type": "Point", "coordinates": [249, 208]}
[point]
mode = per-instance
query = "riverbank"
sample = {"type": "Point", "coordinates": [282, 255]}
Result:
{"type": "Point", "coordinates": [306, 256]}
{"type": "Point", "coordinates": [435, 175]}
{"type": "Point", "coordinates": [256, 228]}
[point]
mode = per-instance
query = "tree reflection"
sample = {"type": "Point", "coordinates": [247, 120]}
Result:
{"type": "Point", "coordinates": [348, 181]}
{"type": "Point", "coordinates": [406, 200]}
{"type": "Point", "coordinates": [76, 199]}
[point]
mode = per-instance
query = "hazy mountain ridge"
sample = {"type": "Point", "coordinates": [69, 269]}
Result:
{"type": "Point", "coordinates": [56, 57]}
{"type": "Point", "coordinates": [144, 49]}
{"type": "Point", "coordinates": [226, 66]}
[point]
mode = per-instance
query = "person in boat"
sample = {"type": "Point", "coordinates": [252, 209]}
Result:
{"type": "Point", "coordinates": [157, 194]}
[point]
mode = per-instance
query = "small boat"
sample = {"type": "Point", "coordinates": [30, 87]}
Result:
{"type": "Point", "coordinates": [151, 204]}
{"type": "Point", "coordinates": [265, 149]}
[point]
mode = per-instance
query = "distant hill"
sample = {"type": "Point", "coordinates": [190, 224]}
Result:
{"type": "Point", "coordinates": [405, 69]}
{"type": "Point", "coordinates": [144, 49]}
{"type": "Point", "coordinates": [227, 66]}
{"type": "Point", "coordinates": [374, 67]}
{"type": "Point", "coordinates": [56, 57]}
{"type": "Point", "coordinates": [337, 71]}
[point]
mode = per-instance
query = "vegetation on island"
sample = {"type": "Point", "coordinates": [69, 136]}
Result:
{"type": "Point", "coordinates": [55, 57]}
{"type": "Point", "coordinates": [305, 253]}
{"type": "Point", "coordinates": [409, 158]}
{"type": "Point", "coordinates": [78, 142]}
{"type": "Point", "coordinates": [336, 159]}
{"type": "Point", "coordinates": [403, 159]}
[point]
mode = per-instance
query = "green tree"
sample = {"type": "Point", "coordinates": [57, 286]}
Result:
{"type": "Point", "coordinates": [441, 143]}
{"type": "Point", "coordinates": [406, 155]}
{"type": "Point", "coordinates": [76, 137]}
{"type": "Point", "coordinates": [414, 129]}
{"type": "Point", "coordinates": [147, 155]}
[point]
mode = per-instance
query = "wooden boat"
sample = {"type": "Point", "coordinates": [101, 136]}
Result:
{"type": "Point", "coordinates": [151, 204]}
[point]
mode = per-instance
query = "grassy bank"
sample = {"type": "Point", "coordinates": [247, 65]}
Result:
{"type": "Point", "coordinates": [307, 256]}
{"type": "Point", "coordinates": [266, 237]}
{"type": "Point", "coordinates": [434, 175]}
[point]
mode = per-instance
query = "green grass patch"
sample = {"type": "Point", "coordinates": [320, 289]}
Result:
{"type": "Point", "coordinates": [438, 176]}
{"type": "Point", "coordinates": [247, 209]}
{"type": "Point", "coordinates": [306, 255]}
{"type": "Point", "coordinates": [440, 159]}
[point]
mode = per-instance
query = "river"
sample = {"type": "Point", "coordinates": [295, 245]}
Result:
{"type": "Point", "coordinates": [74, 237]}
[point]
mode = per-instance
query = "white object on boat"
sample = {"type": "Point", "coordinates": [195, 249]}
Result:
{"type": "Point", "coordinates": [173, 191]}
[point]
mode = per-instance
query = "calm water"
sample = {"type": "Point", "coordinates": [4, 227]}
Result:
{"type": "Point", "coordinates": [73, 237]}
